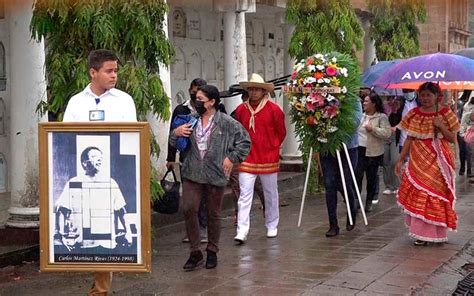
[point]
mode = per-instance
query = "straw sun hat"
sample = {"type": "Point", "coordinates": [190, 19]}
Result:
{"type": "Point", "coordinates": [257, 82]}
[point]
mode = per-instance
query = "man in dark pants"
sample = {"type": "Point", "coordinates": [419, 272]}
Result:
{"type": "Point", "coordinates": [333, 181]}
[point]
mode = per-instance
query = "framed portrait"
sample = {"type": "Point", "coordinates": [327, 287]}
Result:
{"type": "Point", "coordinates": [94, 196]}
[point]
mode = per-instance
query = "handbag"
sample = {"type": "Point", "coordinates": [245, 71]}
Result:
{"type": "Point", "coordinates": [469, 135]}
{"type": "Point", "coordinates": [182, 143]}
{"type": "Point", "coordinates": [169, 202]}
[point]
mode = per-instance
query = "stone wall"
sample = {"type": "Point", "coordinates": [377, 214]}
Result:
{"type": "Point", "coordinates": [197, 35]}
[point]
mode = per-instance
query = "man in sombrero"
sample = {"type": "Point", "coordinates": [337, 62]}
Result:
{"type": "Point", "coordinates": [265, 123]}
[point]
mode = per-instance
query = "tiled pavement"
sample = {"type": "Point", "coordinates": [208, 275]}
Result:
{"type": "Point", "coordinates": [378, 259]}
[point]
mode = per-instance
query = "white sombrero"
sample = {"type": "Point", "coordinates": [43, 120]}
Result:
{"type": "Point", "coordinates": [258, 82]}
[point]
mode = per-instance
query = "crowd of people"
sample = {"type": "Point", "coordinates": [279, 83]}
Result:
{"type": "Point", "coordinates": [410, 136]}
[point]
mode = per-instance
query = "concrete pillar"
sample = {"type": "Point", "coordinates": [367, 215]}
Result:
{"type": "Point", "coordinates": [235, 54]}
{"type": "Point", "coordinates": [290, 145]}
{"type": "Point", "coordinates": [369, 44]}
{"type": "Point", "coordinates": [28, 88]}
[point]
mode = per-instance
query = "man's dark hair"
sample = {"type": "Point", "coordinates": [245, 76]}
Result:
{"type": "Point", "coordinates": [197, 82]}
{"type": "Point", "coordinates": [212, 93]}
{"type": "Point", "coordinates": [98, 57]}
{"type": "Point", "coordinates": [85, 154]}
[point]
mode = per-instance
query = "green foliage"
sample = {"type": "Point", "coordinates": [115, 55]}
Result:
{"type": "Point", "coordinates": [394, 27]}
{"type": "Point", "coordinates": [133, 29]}
{"type": "Point", "coordinates": [323, 26]}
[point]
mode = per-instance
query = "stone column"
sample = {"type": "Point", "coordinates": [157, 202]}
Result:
{"type": "Point", "coordinates": [290, 145]}
{"type": "Point", "coordinates": [28, 88]}
{"type": "Point", "coordinates": [369, 44]}
{"type": "Point", "coordinates": [235, 44]}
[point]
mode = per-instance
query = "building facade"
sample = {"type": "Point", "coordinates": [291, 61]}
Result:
{"type": "Point", "coordinates": [221, 41]}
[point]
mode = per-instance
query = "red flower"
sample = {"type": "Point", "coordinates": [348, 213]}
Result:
{"type": "Point", "coordinates": [310, 106]}
{"type": "Point", "coordinates": [294, 75]}
{"type": "Point", "coordinates": [309, 62]}
{"type": "Point", "coordinates": [319, 100]}
{"type": "Point", "coordinates": [318, 75]}
{"type": "Point", "coordinates": [331, 71]}
{"type": "Point", "coordinates": [310, 120]}
{"type": "Point", "coordinates": [331, 111]}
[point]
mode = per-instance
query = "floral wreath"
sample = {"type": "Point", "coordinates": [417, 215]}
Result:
{"type": "Point", "coordinates": [322, 94]}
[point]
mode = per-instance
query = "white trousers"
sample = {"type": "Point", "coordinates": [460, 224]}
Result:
{"type": "Point", "coordinates": [270, 192]}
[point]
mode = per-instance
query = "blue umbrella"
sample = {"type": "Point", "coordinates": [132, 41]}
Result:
{"type": "Point", "coordinates": [451, 71]}
{"type": "Point", "coordinates": [466, 52]}
{"type": "Point", "coordinates": [374, 72]}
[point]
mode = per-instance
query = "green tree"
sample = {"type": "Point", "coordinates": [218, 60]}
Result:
{"type": "Point", "coordinates": [394, 27]}
{"type": "Point", "coordinates": [323, 26]}
{"type": "Point", "coordinates": [133, 29]}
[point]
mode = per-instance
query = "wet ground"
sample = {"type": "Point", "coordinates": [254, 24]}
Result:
{"type": "Point", "coordinates": [378, 259]}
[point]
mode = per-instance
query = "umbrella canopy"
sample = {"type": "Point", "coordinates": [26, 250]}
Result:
{"type": "Point", "coordinates": [451, 71]}
{"type": "Point", "coordinates": [374, 72]}
{"type": "Point", "coordinates": [466, 52]}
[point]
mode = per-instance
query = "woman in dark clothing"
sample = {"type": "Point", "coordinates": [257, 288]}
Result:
{"type": "Point", "coordinates": [217, 142]}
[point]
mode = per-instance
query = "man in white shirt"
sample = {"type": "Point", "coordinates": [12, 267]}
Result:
{"type": "Point", "coordinates": [101, 101]}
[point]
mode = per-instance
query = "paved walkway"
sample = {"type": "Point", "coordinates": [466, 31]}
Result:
{"type": "Point", "coordinates": [378, 259]}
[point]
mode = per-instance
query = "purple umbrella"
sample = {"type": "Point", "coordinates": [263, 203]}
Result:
{"type": "Point", "coordinates": [452, 71]}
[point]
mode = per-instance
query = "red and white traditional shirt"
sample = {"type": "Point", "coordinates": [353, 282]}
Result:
{"type": "Point", "coordinates": [267, 135]}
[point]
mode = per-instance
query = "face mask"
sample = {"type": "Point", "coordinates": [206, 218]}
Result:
{"type": "Point", "coordinates": [193, 97]}
{"type": "Point", "coordinates": [409, 96]}
{"type": "Point", "coordinates": [200, 109]}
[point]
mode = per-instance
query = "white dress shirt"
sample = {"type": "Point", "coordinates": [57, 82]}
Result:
{"type": "Point", "coordinates": [117, 106]}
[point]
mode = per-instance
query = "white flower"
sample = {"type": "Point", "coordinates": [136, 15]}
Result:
{"type": "Point", "coordinates": [322, 140]}
{"type": "Point", "coordinates": [327, 80]}
{"type": "Point", "coordinates": [309, 79]}
{"type": "Point", "coordinates": [320, 67]}
{"type": "Point", "coordinates": [319, 56]}
{"type": "Point", "coordinates": [330, 97]}
{"type": "Point", "coordinates": [344, 89]}
{"type": "Point", "coordinates": [332, 129]}
{"type": "Point", "coordinates": [320, 80]}
{"type": "Point", "coordinates": [334, 60]}
{"type": "Point", "coordinates": [299, 67]}
{"type": "Point", "coordinates": [311, 68]}
{"type": "Point", "coordinates": [343, 71]}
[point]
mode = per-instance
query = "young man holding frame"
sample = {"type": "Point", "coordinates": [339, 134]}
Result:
{"type": "Point", "coordinates": [100, 101]}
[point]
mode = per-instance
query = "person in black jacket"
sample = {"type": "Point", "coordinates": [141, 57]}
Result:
{"type": "Point", "coordinates": [187, 108]}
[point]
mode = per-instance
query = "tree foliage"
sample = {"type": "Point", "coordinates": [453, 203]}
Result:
{"type": "Point", "coordinates": [322, 26]}
{"type": "Point", "coordinates": [394, 27]}
{"type": "Point", "coordinates": [133, 29]}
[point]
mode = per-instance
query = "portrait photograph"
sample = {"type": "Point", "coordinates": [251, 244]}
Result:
{"type": "Point", "coordinates": [94, 197]}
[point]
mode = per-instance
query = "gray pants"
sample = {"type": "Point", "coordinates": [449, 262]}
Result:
{"type": "Point", "coordinates": [390, 159]}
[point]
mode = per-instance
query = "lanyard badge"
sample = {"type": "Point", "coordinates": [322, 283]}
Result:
{"type": "Point", "coordinates": [96, 115]}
